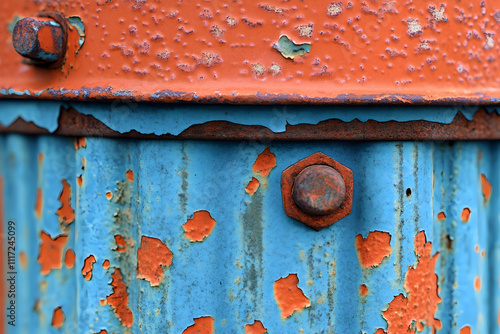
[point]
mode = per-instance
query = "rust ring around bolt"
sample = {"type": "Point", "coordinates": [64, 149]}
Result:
{"type": "Point", "coordinates": [315, 221]}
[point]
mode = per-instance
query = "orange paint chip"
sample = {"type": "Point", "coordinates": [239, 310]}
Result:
{"type": "Point", "coordinates": [363, 290]}
{"type": "Point", "coordinates": [264, 163]}
{"type": "Point", "coordinates": [483, 254]}
{"type": "Point", "coordinates": [69, 258]}
{"type": "Point", "coordinates": [465, 330]}
{"type": "Point", "coordinates": [380, 331]}
{"type": "Point", "coordinates": [441, 216]}
{"type": "Point", "coordinates": [79, 180]}
{"type": "Point", "coordinates": [477, 284]}
{"type": "Point", "coordinates": [119, 299]}
{"type": "Point", "coordinates": [50, 256]}
{"type": "Point", "coordinates": [476, 248]}
{"type": "Point", "coordinates": [151, 256]}
{"type": "Point", "coordinates": [23, 260]}
{"type": "Point", "coordinates": [289, 296]}
{"type": "Point", "coordinates": [65, 212]}
{"type": "Point", "coordinates": [80, 142]}
{"type": "Point", "coordinates": [256, 328]}
{"type": "Point", "coordinates": [58, 318]}
{"type": "Point", "coordinates": [199, 227]}
{"type": "Point", "coordinates": [106, 264]}
{"type": "Point", "coordinates": [373, 249]}
{"type": "Point", "coordinates": [465, 215]}
{"type": "Point", "coordinates": [103, 302]}
{"type": "Point", "coordinates": [121, 245]}
{"type": "Point", "coordinates": [109, 195]}
{"type": "Point", "coordinates": [130, 176]}
{"type": "Point", "coordinates": [203, 325]}
{"type": "Point", "coordinates": [39, 203]}
{"type": "Point", "coordinates": [486, 187]}
{"type": "Point", "coordinates": [252, 186]}
{"type": "Point", "coordinates": [88, 266]}
{"type": "Point", "coordinates": [421, 284]}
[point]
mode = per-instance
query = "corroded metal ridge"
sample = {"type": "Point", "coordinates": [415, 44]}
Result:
{"type": "Point", "coordinates": [264, 52]}
{"type": "Point", "coordinates": [484, 126]}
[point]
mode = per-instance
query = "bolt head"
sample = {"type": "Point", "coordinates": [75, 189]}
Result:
{"type": "Point", "coordinates": [317, 191]}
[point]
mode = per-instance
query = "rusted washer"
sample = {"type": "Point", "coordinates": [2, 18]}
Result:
{"type": "Point", "coordinates": [40, 39]}
{"type": "Point", "coordinates": [318, 190]}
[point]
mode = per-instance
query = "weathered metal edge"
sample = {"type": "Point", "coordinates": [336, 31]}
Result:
{"type": "Point", "coordinates": [483, 126]}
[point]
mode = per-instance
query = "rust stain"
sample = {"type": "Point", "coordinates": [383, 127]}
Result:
{"type": "Point", "coordinates": [477, 284]}
{"type": "Point", "coordinates": [79, 180]}
{"type": "Point", "coordinates": [420, 305]}
{"type": "Point", "coordinates": [203, 325]}
{"type": "Point", "coordinates": [80, 142]}
{"type": "Point", "coordinates": [476, 248]}
{"type": "Point", "coordinates": [441, 216]}
{"type": "Point", "coordinates": [119, 299]}
{"type": "Point", "coordinates": [289, 296]}
{"type": "Point", "coordinates": [69, 259]}
{"type": "Point", "coordinates": [121, 245]}
{"type": "Point", "coordinates": [23, 259]}
{"type": "Point", "coordinates": [65, 212]}
{"type": "Point", "coordinates": [109, 195]}
{"type": "Point", "coordinates": [151, 257]}
{"type": "Point", "coordinates": [252, 186]}
{"type": "Point", "coordinates": [486, 187]}
{"type": "Point", "coordinates": [256, 328]}
{"type": "Point", "coordinates": [84, 163]}
{"type": "Point", "coordinates": [130, 175]}
{"type": "Point", "coordinates": [88, 266]}
{"type": "Point", "coordinates": [483, 254]}
{"type": "Point", "coordinates": [373, 249]}
{"type": "Point", "coordinates": [199, 227]}
{"type": "Point", "coordinates": [58, 318]}
{"type": "Point", "coordinates": [106, 264]}
{"type": "Point", "coordinates": [50, 256]}
{"type": "Point", "coordinates": [363, 290]}
{"type": "Point", "coordinates": [465, 330]}
{"type": "Point", "coordinates": [465, 215]}
{"type": "Point", "coordinates": [39, 203]}
{"type": "Point", "coordinates": [264, 163]}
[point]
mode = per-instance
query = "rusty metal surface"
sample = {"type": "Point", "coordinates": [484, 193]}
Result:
{"type": "Point", "coordinates": [264, 52]}
{"type": "Point", "coordinates": [294, 209]}
{"type": "Point", "coordinates": [483, 126]}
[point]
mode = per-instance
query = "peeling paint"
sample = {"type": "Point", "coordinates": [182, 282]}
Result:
{"type": "Point", "coordinates": [121, 244]}
{"type": "Point", "coordinates": [363, 290]}
{"type": "Point", "coordinates": [119, 299]}
{"type": "Point", "coordinates": [441, 216]}
{"type": "Point", "coordinates": [69, 259]}
{"type": "Point", "coordinates": [264, 163]}
{"type": "Point", "coordinates": [50, 256]}
{"type": "Point", "coordinates": [203, 325]}
{"type": "Point", "coordinates": [373, 249]}
{"type": "Point", "coordinates": [465, 215]}
{"type": "Point", "coordinates": [289, 296]}
{"type": "Point", "coordinates": [65, 212]}
{"type": "Point", "coordinates": [419, 307]}
{"type": "Point", "coordinates": [256, 328]}
{"type": "Point", "coordinates": [106, 264]}
{"type": "Point", "coordinates": [486, 187]}
{"type": "Point", "coordinates": [465, 330]}
{"type": "Point", "coordinates": [58, 318]}
{"type": "Point", "coordinates": [130, 176]}
{"type": "Point", "coordinates": [199, 227]}
{"type": "Point", "coordinates": [109, 195]}
{"type": "Point", "coordinates": [88, 266]}
{"type": "Point", "coordinates": [290, 49]}
{"type": "Point", "coordinates": [152, 256]}
{"type": "Point", "coordinates": [80, 143]}
{"type": "Point", "coordinates": [252, 186]}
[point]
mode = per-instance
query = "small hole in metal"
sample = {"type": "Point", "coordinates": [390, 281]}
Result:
{"type": "Point", "coordinates": [408, 192]}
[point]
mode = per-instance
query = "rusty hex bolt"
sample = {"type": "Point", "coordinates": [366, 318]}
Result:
{"type": "Point", "coordinates": [318, 190]}
{"type": "Point", "coordinates": [40, 39]}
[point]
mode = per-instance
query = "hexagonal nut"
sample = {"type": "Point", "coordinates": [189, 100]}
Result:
{"type": "Point", "coordinates": [314, 221]}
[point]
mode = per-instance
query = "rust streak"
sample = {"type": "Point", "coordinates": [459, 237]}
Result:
{"type": "Point", "coordinates": [50, 256]}
{"type": "Point", "coordinates": [151, 257]}
{"type": "Point", "coordinates": [199, 227]}
{"type": "Point", "coordinates": [203, 325]}
{"type": "Point", "coordinates": [289, 296]}
{"type": "Point", "coordinates": [119, 299]}
{"type": "Point", "coordinates": [39, 203]}
{"type": "Point", "coordinates": [373, 249]}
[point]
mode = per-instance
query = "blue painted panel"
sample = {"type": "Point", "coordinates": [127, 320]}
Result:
{"type": "Point", "coordinates": [230, 274]}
